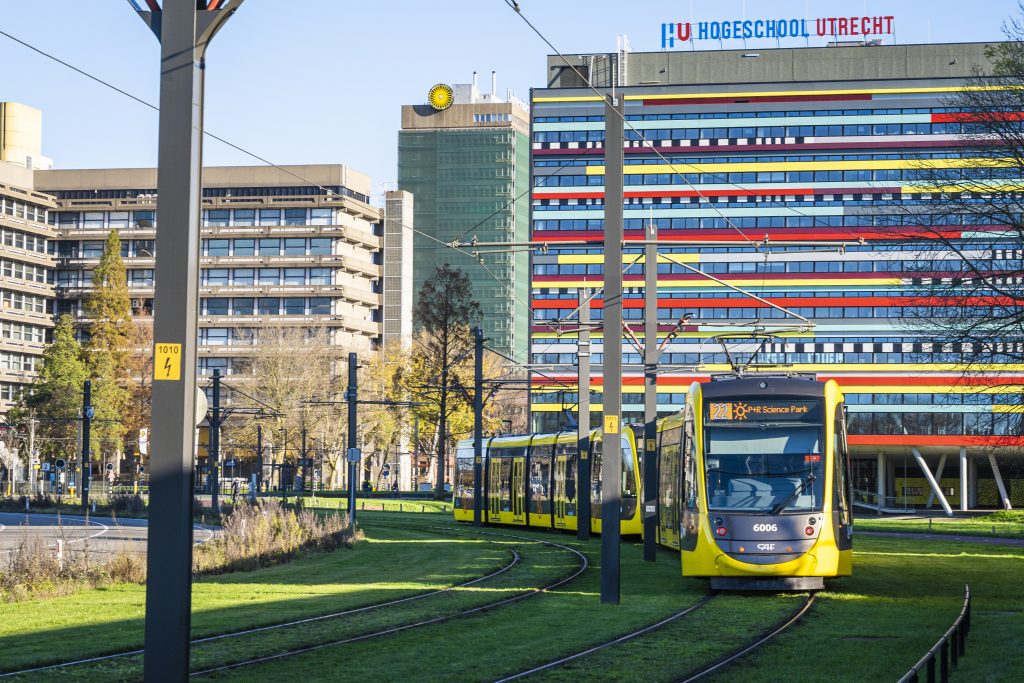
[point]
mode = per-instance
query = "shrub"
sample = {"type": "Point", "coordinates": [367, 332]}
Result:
{"type": "Point", "coordinates": [269, 532]}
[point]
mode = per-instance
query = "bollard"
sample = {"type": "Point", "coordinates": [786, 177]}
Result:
{"type": "Point", "coordinates": [399, 507]}
{"type": "Point", "coordinates": [60, 553]}
{"type": "Point", "coordinates": [26, 503]}
{"type": "Point", "coordinates": [94, 507]}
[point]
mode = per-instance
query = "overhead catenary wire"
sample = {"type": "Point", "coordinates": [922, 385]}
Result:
{"type": "Point", "coordinates": [327, 191]}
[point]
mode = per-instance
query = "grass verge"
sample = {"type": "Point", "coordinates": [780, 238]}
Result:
{"type": "Point", "coordinates": [1003, 524]}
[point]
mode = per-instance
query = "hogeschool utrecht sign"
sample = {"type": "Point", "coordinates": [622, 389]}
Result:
{"type": "Point", "coordinates": [740, 29]}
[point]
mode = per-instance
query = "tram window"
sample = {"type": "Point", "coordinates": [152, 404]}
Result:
{"type": "Point", "coordinates": [595, 478]}
{"type": "Point", "coordinates": [668, 475]}
{"type": "Point", "coordinates": [540, 479]}
{"type": "Point", "coordinates": [841, 457]}
{"type": "Point", "coordinates": [464, 478]}
{"type": "Point", "coordinates": [762, 468]}
{"type": "Point", "coordinates": [629, 487]}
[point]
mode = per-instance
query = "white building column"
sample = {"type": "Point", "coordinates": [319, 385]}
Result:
{"type": "Point", "coordinates": [964, 483]}
{"type": "Point", "coordinates": [883, 476]}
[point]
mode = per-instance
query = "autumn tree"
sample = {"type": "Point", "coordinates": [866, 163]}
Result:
{"type": "Point", "coordinates": [444, 309]}
{"type": "Point", "coordinates": [288, 370]}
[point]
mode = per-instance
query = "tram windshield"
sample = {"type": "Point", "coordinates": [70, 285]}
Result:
{"type": "Point", "coordinates": [764, 467]}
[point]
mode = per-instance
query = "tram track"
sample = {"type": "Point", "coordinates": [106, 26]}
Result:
{"type": "Point", "coordinates": [650, 628]}
{"type": "Point", "coordinates": [761, 639]}
{"type": "Point", "coordinates": [87, 665]}
{"type": "Point", "coordinates": [515, 559]}
{"type": "Point", "coordinates": [583, 564]}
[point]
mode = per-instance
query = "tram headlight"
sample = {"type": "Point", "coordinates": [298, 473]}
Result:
{"type": "Point", "coordinates": [809, 531]}
{"type": "Point", "coordinates": [720, 531]}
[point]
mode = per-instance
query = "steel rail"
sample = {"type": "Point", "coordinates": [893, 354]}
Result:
{"type": "Point", "coordinates": [583, 565]}
{"type": "Point", "coordinates": [760, 640]}
{"type": "Point", "coordinates": [235, 634]}
{"type": "Point", "coordinates": [616, 641]}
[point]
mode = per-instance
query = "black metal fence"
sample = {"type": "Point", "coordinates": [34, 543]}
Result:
{"type": "Point", "coordinates": [949, 649]}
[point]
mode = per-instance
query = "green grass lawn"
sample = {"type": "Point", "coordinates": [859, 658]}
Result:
{"type": "Point", "coordinates": [381, 504]}
{"type": "Point", "coordinates": [392, 563]}
{"type": "Point", "coordinates": [1000, 525]}
{"type": "Point", "coordinates": [872, 626]}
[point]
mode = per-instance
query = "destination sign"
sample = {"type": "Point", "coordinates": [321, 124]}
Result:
{"type": "Point", "coordinates": [855, 27]}
{"type": "Point", "coordinates": [761, 411]}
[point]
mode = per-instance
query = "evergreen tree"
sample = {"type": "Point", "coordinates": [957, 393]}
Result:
{"type": "Point", "coordinates": [108, 311]}
{"type": "Point", "coordinates": [56, 394]}
{"type": "Point", "coordinates": [109, 314]}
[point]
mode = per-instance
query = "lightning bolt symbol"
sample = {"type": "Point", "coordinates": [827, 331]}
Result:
{"type": "Point", "coordinates": [167, 366]}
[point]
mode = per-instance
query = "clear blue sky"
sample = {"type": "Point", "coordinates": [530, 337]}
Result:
{"type": "Point", "coordinates": [322, 81]}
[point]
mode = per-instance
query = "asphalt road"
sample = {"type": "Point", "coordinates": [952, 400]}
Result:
{"type": "Point", "coordinates": [99, 534]}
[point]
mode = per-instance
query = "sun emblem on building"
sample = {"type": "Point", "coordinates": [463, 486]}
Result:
{"type": "Point", "coordinates": [441, 96]}
{"type": "Point", "coordinates": [740, 411]}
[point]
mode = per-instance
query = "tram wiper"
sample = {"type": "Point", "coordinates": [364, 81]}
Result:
{"type": "Point", "coordinates": [796, 492]}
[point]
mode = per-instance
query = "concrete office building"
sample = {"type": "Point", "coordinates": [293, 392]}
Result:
{"type": "Point", "coordinates": [468, 167]}
{"type": "Point", "coordinates": [297, 246]}
{"type": "Point", "coordinates": [26, 275]}
{"type": "Point", "coordinates": [819, 145]}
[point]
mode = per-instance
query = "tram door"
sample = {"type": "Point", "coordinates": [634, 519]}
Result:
{"type": "Point", "coordinates": [565, 487]}
{"type": "Point", "coordinates": [519, 490]}
{"type": "Point", "coordinates": [493, 489]}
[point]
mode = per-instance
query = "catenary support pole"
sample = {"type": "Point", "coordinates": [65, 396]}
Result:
{"type": "Point", "coordinates": [86, 442]}
{"type": "Point", "coordinates": [651, 353]}
{"type": "Point", "coordinates": [184, 32]}
{"type": "Point", "coordinates": [259, 458]}
{"type": "Point", "coordinates": [611, 458]}
{"type": "Point", "coordinates": [583, 489]}
{"type": "Point", "coordinates": [353, 453]}
{"type": "Point", "coordinates": [478, 425]}
{"type": "Point", "coordinates": [213, 461]}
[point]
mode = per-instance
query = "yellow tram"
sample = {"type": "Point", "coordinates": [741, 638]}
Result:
{"type": "Point", "coordinates": [754, 486]}
{"type": "Point", "coordinates": [530, 480]}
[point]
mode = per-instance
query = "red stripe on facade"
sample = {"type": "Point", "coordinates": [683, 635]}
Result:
{"type": "Point", "coordinates": [727, 99]}
{"type": "Point", "coordinates": [806, 146]}
{"type": "Point", "coordinates": [728, 235]}
{"type": "Point", "coordinates": [931, 440]}
{"type": "Point", "coordinates": [957, 117]}
{"type": "Point", "coordinates": [842, 302]}
{"type": "Point", "coordinates": [929, 380]}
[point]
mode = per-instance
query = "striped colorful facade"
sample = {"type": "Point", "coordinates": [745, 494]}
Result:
{"type": "Point", "coordinates": [792, 193]}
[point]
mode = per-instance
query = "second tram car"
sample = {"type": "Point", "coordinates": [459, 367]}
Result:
{"type": "Point", "coordinates": [530, 480]}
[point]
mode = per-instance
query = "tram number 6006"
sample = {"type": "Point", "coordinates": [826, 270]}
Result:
{"type": "Point", "coordinates": [766, 527]}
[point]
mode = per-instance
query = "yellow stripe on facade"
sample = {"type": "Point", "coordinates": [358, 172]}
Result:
{"type": "Point", "coordinates": [788, 93]}
{"type": "Point", "coordinates": [865, 165]}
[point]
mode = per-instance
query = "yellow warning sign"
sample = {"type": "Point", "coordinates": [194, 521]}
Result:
{"type": "Point", "coordinates": [167, 362]}
{"type": "Point", "coordinates": [611, 424]}
{"type": "Point", "coordinates": [651, 445]}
